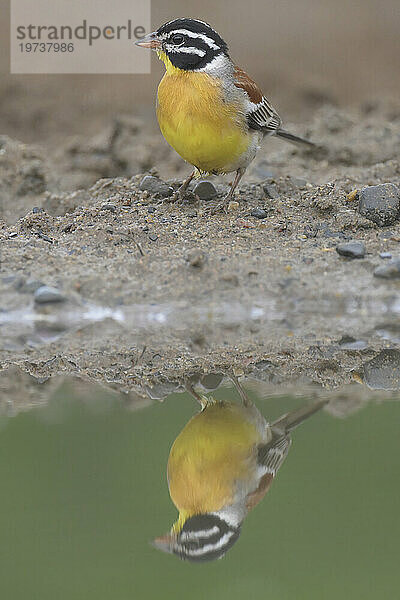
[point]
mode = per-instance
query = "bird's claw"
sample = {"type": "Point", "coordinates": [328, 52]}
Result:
{"type": "Point", "coordinates": [219, 207]}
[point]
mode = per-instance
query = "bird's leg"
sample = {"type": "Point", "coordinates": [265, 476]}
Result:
{"type": "Point", "coordinates": [202, 400]}
{"type": "Point", "coordinates": [225, 201]}
{"type": "Point", "coordinates": [244, 397]}
{"type": "Point", "coordinates": [179, 194]}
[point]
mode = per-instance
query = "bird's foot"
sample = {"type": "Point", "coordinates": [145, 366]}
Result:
{"type": "Point", "coordinates": [182, 196]}
{"type": "Point", "coordinates": [219, 207]}
{"type": "Point", "coordinates": [177, 196]}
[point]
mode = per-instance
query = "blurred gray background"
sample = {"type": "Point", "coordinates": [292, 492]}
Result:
{"type": "Point", "coordinates": [302, 52]}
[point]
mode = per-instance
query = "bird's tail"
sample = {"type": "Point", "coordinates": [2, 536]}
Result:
{"type": "Point", "coordinates": [290, 137]}
{"type": "Point", "coordinates": [290, 421]}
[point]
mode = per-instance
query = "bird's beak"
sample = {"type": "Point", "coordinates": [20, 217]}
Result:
{"type": "Point", "coordinates": [165, 543]}
{"type": "Point", "coordinates": [151, 40]}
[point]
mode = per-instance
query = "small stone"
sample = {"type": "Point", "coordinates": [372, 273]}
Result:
{"type": "Point", "coordinates": [352, 249]}
{"type": "Point", "coordinates": [299, 182]}
{"type": "Point", "coordinates": [151, 209]}
{"type": "Point", "coordinates": [350, 343]}
{"type": "Point", "coordinates": [385, 254]}
{"type": "Point", "coordinates": [270, 191]}
{"type": "Point", "coordinates": [196, 258]}
{"type": "Point", "coordinates": [153, 237]}
{"type": "Point", "coordinates": [110, 207]}
{"type": "Point", "coordinates": [391, 270]}
{"type": "Point", "coordinates": [46, 294]}
{"type": "Point", "coordinates": [233, 206]}
{"type": "Point", "coordinates": [205, 190]}
{"type": "Point", "coordinates": [37, 209]}
{"type": "Point", "coordinates": [386, 235]}
{"type": "Point", "coordinates": [259, 213]}
{"type": "Point", "coordinates": [155, 186]}
{"type": "Point", "coordinates": [380, 203]}
{"type": "Point", "coordinates": [211, 381]}
{"type": "Point", "coordinates": [383, 371]}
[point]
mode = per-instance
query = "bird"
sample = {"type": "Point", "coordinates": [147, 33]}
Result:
{"type": "Point", "coordinates": [209, 109]}
{"type": "Point", "coordinates": [220, 466]}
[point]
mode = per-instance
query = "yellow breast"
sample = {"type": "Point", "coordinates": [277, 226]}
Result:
{"type": "Point", "coordinates": [212, 453]}
{"type": "Point", "coordinates": [206, 131]}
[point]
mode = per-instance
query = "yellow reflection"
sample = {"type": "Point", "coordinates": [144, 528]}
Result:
{"type": "Point", "coordinates": [220, 466]}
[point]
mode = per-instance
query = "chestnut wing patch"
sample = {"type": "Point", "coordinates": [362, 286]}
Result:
{"type": "Point", "coordinates": [261, 114]}
{"type": "Point", "coordinates": [255, 497]}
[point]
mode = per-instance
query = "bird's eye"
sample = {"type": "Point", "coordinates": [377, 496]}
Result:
{"type": "Point", "coordinates": [178, 39]}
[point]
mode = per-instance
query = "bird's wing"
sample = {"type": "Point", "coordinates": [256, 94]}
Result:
{"type": "Point", "coordinates": [270, 458]}
{"type": "Point", "coordinates": [272, 454]}
{"type": "Point", "coordinates": [261, 114]}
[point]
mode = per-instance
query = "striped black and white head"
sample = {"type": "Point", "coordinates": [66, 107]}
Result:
{"type": "Point", "coordinates": [189, 44]}
{"type": "Point", "coordinates": [202, 538]}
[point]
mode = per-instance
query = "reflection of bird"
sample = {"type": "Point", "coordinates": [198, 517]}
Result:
{"type": "Point", "coordinates": [209, 110]}
{"type": "Point", "coordinates": [220, 466]}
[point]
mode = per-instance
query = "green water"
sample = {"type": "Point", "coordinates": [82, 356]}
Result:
{"type": "Point", "coordinates": [83, 490]}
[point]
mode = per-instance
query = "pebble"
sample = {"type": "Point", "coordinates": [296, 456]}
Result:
{"type": "Point", "coordinates": [352, 249]}
{"type": "Point", "coordinates": [385, 254]}
{"type": "Point", "coordinates": [259, 213]}
{"type": "Point", "coordinates": [299, 182]}
{"type": "Point", "coordinates": [205, 190]}
{"type": "Point", "coordinates": [46, 294]}
{"type": "Point", "coordinates": [350, 343]}
{"type": "Point", "coordinates": [155, 186]}
{"type": "Point", "coordinates": [211, 381]}
{"type": "Point", "coordinates": [391, 270]}
{"type": "Point", "coordinates": [383, 371]}
{"type": "Point", "coordinates": [380, 203]}
{"type": "Point", "coordinates": [386, 235]}
{"type": "Point", "coordinates": [110, 207]}
{"type": "Point", "coordinates": [153, 237]}
{"type": "Point", "coordinates": [270, 191]}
